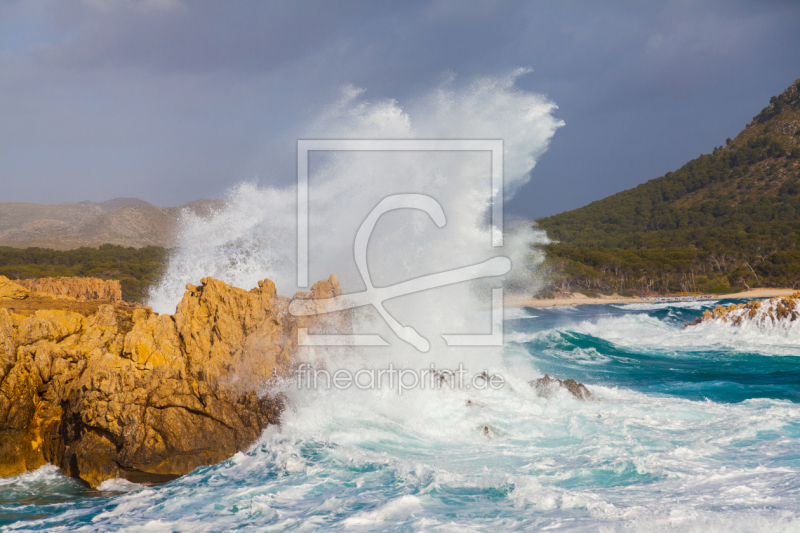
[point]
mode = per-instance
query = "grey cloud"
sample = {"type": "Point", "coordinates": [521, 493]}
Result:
{"type": "Point", "coordinates": [171, 101]}
{"type": "Point", "coordinates": [206, 36]}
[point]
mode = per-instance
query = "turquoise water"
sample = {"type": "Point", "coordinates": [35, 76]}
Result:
{"type": "Point", "coordinates": [693, 430]}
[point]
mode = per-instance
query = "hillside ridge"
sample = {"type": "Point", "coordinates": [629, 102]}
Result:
{"type": "Point", "coordinates": [116, 203]}
{"type": "Point", "coordinates": [126, 222]}
{"type": "Point", "coordinates": [731, 217]}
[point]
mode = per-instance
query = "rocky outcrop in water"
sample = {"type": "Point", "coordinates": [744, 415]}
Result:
{"type": "Point", "coordinates": [780, 311]}
{"type": "Point", "coordinates": [106, 391]}
{"type": "Point", "coordinates": [547, 386]}
{"type": "Point", "coordinates": [78, 288]}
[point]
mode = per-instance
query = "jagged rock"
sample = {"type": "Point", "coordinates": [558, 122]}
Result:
{"type": "Point", "coordinates": [545, 387]}
{"type": "Point", "coordinates": [11, 290]}
{"type": "Point", "coordinates": [78, 288]}
{"type": "Point", "coordinates": [230, 334]}
{"type": "Point", "coordinates": [776, 310]}
{"type": "Point", "coordinates": [125, 392]}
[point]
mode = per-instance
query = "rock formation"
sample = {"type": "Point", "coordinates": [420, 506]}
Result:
{"type": "Point", "coordinates": [546, 386]}
{"type": "Point", "coordinates": [12, 291]}
{"type": "Point", "coordinates": [105, 390]}
{"type": "Point", "coordinates": [772, 312]}
{"type": "Point", "coordinates": [78, 288]}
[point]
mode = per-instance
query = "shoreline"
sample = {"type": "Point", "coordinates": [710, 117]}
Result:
{"type": "Point", "coordinates": [516, 301]}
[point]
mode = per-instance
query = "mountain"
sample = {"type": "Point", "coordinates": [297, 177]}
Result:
{"type": "Point", "coordinates": [121, 221]}
{"type": "Point", "coordinates": [724, 220]}
{"type": "Point", "coordinates": [115, 203]}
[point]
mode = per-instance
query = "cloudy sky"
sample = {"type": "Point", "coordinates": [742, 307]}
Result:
{"type": "Point", "coordinates": [171, 100]}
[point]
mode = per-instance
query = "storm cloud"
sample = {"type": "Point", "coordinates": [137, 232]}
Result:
{"type": "Point", "coordinates": [171, 101]}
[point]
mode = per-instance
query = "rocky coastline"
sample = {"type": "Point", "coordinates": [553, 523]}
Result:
{"type": "Point", "coordinates": [79, 288]}
{"type": "Point", "coordinates": [773, 311]}
{"type": "Point", "coordinates": [105, 390]}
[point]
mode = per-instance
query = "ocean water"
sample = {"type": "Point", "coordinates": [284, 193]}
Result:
{"type": "Point", "coordinates": [693, 429]}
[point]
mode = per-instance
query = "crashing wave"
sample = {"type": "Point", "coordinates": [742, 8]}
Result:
{"type": "Point", "coordinates": [777, 313]}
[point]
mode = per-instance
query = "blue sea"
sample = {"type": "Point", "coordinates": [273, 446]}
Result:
{"type": "Point", "coordinates": [693, 429]}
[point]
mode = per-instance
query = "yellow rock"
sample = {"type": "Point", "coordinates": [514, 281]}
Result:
{"type": "Point", "coordinates": [11, 290]}
{"type": "Point", "coordinates": [76, 288]}
{"type": "Point", "coordinates": [53, 325]}
{"type": "Point", "coordinates": [234, 334]}
{"type": "Point", "coordinates": [780, 308]}
{"type": "Point", "coordinates": [153, 341]}
{"type": "Point", "coordinates": [124, 392]}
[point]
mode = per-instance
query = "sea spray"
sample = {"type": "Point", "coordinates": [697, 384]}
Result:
{"type": "Point", "coordinates": [255, 236]}
{"type": "Point", "coordinates": [683, 438]}
{"type": "Point", "coordinates": [654, 454]}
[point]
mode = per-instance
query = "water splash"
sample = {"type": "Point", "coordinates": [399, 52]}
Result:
{"type": "Point", "coordinates": [679, 441]}
{"type": "Point", "coordinates": [254, 237]}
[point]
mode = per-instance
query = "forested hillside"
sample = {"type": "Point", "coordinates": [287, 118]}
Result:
{"type": "Point", "coordinates": [136, 268]}
{"type": "Point", "coordinates": [724, 221]}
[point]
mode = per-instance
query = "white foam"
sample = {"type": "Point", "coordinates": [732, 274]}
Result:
{"type": "Point", "coordinates": [641, 331]}
{"type": "Point", "coordinates": [514, 313]}
{"type": "Point", "coordinates": [399, 507]}
{"type": "Point", "coordinates": [509, 459]}
{"type": "Point", "coordinates": [254, 237]}
{"type": "Point", "coordinates": [763, 319]}
{"type": "Point", "coordinates": [629, 462]}
{"type": "Point", "coordinates": [44, 474]}
{"type": "Point", "coordinates": [119, 485]}
{"type": "Point", "coordinates": [652, 306]}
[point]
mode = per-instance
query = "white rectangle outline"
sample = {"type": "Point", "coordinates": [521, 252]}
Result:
{"type": "Point", "coordinates": [304, 339]}
{"type": "Point", "coordinates": [304, 146]}
{"type": "Point", "coordinates": [495, 338]}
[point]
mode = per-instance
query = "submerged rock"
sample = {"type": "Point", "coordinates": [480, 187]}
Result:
{"type": "Point", "coordinates": [545, 387]}
{"type": "Point", "coordinates": [106, 391]}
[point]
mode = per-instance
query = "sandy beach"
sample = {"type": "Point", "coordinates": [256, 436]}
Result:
{"type": "Point", "coordinates": [581, 299]}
